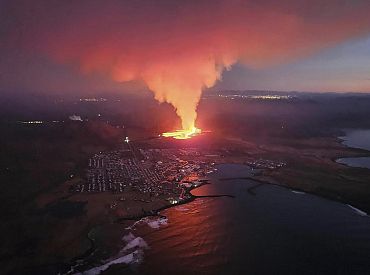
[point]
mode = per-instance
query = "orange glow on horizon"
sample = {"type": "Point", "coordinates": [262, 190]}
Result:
{"type": "Point", "coordinates": [187, 50]}
{"type": "Point", "coordinates": [183, 134]}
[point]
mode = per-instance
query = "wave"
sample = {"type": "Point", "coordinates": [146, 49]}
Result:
{"type": "Point", "coordinates": [128, 238]}
{"type": "Point", "coordinates": [134, 257]}
{"type": "Point", "coordinates": [132, 253]}
{"type": "Point", "coordinates": [153, 223]}
{"type": "Point", "coordinates": [136, 243]}
{"type": "Point", "coordinates": [158, 223]}
{"type": "Point", "coordinates": [358, 211]}
{"type": "Point", "coordinates": [131, 227]}
{"type": "Point", "coordinates": [298, 192]}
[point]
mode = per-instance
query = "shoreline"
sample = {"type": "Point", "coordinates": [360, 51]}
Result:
{"type": "Point", "coordinates": [342, 162]}
{"type": "Point", "coordinates": [360, 152]}
{"type": "Point", "coordinates": [260, 182]}
{"type": "Point", "coordinates": [258, 179]}
{"type": "Point", "coordinates": [153, 213]}
{"type": "Point", "coordinates": [156, 212]}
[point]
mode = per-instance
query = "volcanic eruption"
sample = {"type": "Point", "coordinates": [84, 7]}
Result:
{"type": "Point", "coordinates": [179, 48]}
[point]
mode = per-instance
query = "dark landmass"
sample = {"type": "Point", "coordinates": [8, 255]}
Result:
{"type": "Point", "coordinates": [291, 141]}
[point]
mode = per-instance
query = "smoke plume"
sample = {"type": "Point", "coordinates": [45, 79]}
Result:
{"type": "Point", "coordinates": [178, 48]}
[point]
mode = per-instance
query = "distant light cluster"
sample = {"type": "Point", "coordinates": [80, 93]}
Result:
{"type": "Point", "coordinates": [93, 99]}
{"type": "Point", "coordinates": [32, 122]}
{"type": "Point", "coordinates": [263, 97]}
{"type": "Point", "coordinates": [271, 97]}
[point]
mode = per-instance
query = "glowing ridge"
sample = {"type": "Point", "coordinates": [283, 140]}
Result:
{"type": "Point", "coordinates": [183, 134]}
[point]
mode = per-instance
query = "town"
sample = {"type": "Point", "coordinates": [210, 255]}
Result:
{"type": "Point", "coordinates": [154, 172]}
{"type": "Point", "coordinates": [138, 173]}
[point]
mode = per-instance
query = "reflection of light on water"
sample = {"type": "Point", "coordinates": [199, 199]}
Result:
{"type": "Point", "coordinates": [181, 208]}
{"type": "Point", "coordinates": [193, 233]}
{"type": "Point", "coordinates": [205, 235]}
{"type": "Point", "coordinates": [183, 134]}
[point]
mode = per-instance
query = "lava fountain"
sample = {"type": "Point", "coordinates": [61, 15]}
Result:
{"type": "Point", "coordinates": [183, 134]}
{"type": "Point", "coordinates": [180, 83]}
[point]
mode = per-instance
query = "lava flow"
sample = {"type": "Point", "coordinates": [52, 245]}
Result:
{"type": "Point", "coordinates": [183, 134]}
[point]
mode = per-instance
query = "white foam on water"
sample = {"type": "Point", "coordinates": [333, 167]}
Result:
{"type": "Point", "coordinates": [132, 253]}
{"type": "Point", "coordinates": [157, 223]}
{"type": "Point", "coordinates": [298, 192]}
{"type": "Point", "coordinates": [136, 243]}
{"type": "Point", "coordinates": [132, 227]}
{"type": "Point", "coordinates": [128, 238]}
{"type": "Point", "coordinates": [357, 211]}
{"type": "Point", "coordinates": [134, 257]}
{"type": "Point", "coordinates": [150, 222]}
{"type": "Point", "coordinates": [72, 268]}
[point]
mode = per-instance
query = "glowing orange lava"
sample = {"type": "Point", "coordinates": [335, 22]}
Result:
{"type": "Point", "coordinates": [183, 134]}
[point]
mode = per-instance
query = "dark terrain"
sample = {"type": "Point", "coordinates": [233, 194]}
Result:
{"type": "Point", "coordinates": [36, 159]}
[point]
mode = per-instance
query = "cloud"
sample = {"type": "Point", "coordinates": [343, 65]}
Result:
{"type": "Point", "coordinates": [179, 47]}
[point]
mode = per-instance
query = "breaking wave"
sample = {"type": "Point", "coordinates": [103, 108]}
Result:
{"type": "Point", "coordinates": [131, 253]}
{"type": "Point", "coordinates": [357, 211]}
{"type": "Point", "coordinates": [153, 223]}
{"type": "Point", "coordinates": [158, 223]}
{"type": "Point", "coordinates": [298, 192]}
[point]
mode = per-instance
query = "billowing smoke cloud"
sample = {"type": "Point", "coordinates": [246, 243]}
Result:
{"type": "Point", "coordinates": [180, 47]}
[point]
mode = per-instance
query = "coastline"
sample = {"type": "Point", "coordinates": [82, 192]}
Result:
{"type": "Point", "coordinates": [318, 194]}
{"type": "Point", "coordinates": [260, 180]}
{"type": "Point", "coordinates": [156, 212]}
{"type": "Point", "coordinates": [300, 191]}
{"type": "Point", "coordinates": [153, 213]}
{"type": "Point", "coordinates": [360, 152]}
{"type": "Point", "coordinates": [265, 177]}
